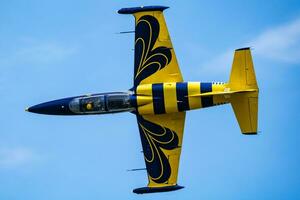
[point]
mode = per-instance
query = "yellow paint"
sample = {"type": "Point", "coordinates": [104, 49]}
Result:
{"type": "Point", "coordinates": [245, 105]}
{"type": "Point", "coordinates": [242, 72]}
{"type": "Point", "coordinates": [145, 99]}
{"type": "Point", "coordinates": [174, 121]}
{"type": "Point", "coordinates": [170, 98]}
{"type": "Point", "coordinates": [171, 73]}
{"type": "Point", "coordinates": [194, 89]}
{"type": "Point", "coordinates": [219, 99]}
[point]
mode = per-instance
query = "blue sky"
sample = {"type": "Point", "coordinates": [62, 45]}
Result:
{"type": "Point", "coordinates": [54, 49]}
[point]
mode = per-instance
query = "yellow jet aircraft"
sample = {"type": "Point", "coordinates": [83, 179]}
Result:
{"type": "Point", "coordinates": [160, 98]}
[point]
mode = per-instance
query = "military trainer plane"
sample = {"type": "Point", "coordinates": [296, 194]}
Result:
{"type": "Point", "coordinates": [160, 98]}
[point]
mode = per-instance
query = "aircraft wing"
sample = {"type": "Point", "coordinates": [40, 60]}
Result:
{"type": "Point", "coordinates": [155, 62]}
{"type": "Point", "coordinates": [161, 137]}
{"type": "Point", "coordinates": [154, 57]}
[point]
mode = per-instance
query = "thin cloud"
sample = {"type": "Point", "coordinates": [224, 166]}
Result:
{"type": "Point", "coordinates": [32, 51]}
{"type": "Point", "coordinates": [279, 44]}
{"type": "Point", "coordinates": [14, 157]}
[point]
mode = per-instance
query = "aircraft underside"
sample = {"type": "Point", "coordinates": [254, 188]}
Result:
{"type": "Point", "coordinates": [160, 98]}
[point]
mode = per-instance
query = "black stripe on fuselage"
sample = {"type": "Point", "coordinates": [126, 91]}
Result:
{"type": "Point", "coordinates": [158, 98]}
{"type": "Point", "coordinates": [133, 99]}
{"type": "Point", "coordinates": [204, 88]}
{"type": "Point", "coordinates": [105, 103]}
{"type": "Point", "coordinates": [182, 96]}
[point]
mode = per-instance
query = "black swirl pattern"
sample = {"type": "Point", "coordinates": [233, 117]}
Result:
{"type": "Point", "coordinates": [155, 138]}
{"type": "Point", "coordinates": [147, 59]}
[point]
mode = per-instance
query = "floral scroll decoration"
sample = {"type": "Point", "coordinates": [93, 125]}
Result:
{"type": "Point", "coordinates": [148, 59]}
{"type": "Point", "coordinates": [155, 138]}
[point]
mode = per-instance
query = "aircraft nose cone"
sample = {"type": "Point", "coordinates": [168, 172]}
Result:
{"type": "Point", "coordinates": [56, 107]}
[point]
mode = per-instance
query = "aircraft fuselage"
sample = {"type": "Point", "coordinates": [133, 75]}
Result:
{"type": "Point", "coordinates": [159, 98]}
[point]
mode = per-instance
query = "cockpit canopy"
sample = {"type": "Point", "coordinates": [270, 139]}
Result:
{"type": "Point", "coordinates": [101, 103]}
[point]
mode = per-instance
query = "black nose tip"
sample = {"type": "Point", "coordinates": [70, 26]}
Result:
{"type": "Point", "coordinates": [56, 107]}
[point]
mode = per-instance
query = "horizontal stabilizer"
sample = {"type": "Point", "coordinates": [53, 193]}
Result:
{"type": "Point", "coordinates": [245, 107]}
{"type": "Point", "coordinates": [242, 72]}
{"type": "Point", "coordinates": [222, 93]}
{"type": "Point", "coordinates": [242, 78]}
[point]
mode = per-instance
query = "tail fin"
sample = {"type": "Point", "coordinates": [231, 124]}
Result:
{"type": "Point", "coordinates": [242, 78]}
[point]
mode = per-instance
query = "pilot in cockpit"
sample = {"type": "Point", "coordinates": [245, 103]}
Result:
{"type": "Point", "coordinates": [89, 106]}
